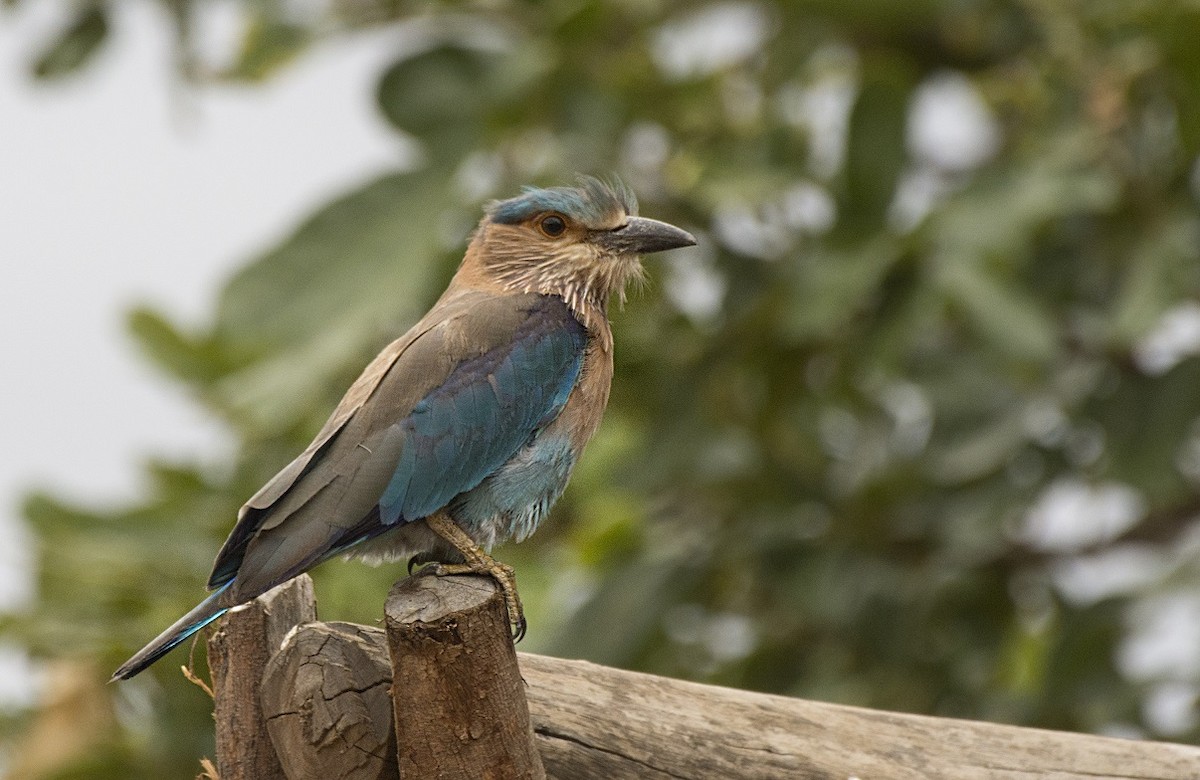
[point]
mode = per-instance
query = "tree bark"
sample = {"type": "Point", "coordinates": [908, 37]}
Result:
{"type": "Point", "coordinates": [460, 708]}
{"type": "Point", "coordinates": [237, 654]}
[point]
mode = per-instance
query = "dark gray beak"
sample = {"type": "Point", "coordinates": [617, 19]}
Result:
{"type": "Point", "coordinates": [641, 236]}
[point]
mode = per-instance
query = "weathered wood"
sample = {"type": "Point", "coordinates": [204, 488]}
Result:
{"type": "Point", "coordinates": [596, 722]}
{"type": "Point", "coordinates": [460, 709]}
{"type": "Point", "coordinates": [237, 654]}
{"type": "Point", "coordinates": [326, 700]}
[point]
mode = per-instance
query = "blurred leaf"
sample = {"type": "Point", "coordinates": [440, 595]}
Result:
{"type": "Point", "coordinates": [590, 632]}
{"type": "Point", "coordinates": [267, 46]}
{"type": "Point", "coordinates": [437, 90]}
{"type": "Point", "coordinates": [832, 287]}
{"type": "Point", "coordinates": [1159, 273]}
{"type": "Point", "coordinates": [75, 45]}
{"type": "Point", "coordinates": [448, 95]}
{"type": "Point", "coordinates": [1010, 320]}
{"type": "Point", "coordinates": [365, 259]}
{"type": "Point", "coordinates": [876, 153]}
{"type": "Point", "coordinates": [181, 355]}
{"type": "Point", "coordinates": [984, 451]}
{"type": "Point", "coordinates": [305, 320]}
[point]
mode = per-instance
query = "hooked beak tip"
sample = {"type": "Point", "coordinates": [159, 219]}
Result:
{"type": "Point", "coordinates": [644, 236]}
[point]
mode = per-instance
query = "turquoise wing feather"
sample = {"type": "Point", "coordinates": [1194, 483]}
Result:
{"type": "Point", "coordinates": [458, 404]}
{"type": "Point", "coordinates": [487, 408]}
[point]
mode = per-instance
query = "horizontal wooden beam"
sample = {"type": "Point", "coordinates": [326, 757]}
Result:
{"type": "Point", "coordinates": [597, 723]}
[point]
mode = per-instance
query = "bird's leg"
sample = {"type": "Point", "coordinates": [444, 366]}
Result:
{"type": "Point", "coordinates": [478, 562]}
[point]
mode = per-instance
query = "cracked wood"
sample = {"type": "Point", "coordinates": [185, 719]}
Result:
{"type": "Point", "coordinates": [327, 703]}
{"type": "Point", "coordinates": [460, 703]}
{"type": "Point", "coordinates": [592, 722]}
{"type": "Point", "coordinates": [237, 654]}
{"type": "Point", "coordinates": [596, 722]}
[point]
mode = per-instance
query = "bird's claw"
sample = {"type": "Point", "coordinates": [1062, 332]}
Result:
{"type": "Point", "coordinates": [518, 629]}
{"type": "Point", "coordinates": [502, 573]}
{"type": "Point", "coordinates": [479, 562]}
{"type": "Point", "coordinates": [420, 559]}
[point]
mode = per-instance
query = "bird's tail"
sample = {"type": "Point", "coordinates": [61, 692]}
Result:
{"type": "Point", "coordinates": [201, 615]}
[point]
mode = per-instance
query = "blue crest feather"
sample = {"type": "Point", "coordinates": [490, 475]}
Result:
{"type": "Point", "coordinates": [593, 202]}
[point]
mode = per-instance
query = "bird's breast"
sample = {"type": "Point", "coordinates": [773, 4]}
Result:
{"type": "Point", "coordinates": [512, 501]}
{"type": "Point", "coordinates": [585, 406]}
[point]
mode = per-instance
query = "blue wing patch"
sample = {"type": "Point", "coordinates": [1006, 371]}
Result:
{"type": "Point", "coordinates": [487, 408]}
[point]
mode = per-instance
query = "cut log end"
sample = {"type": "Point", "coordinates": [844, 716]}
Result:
{"type": "Point", "coordinates": [430, 599]}
{"type": "Point", "coordinates": [460, 707]}
{"type": "Point", "coordinates": [326, 701]}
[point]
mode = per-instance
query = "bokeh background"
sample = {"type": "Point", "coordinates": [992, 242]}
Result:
{"type": "Point", "coordinates": [916, 426]}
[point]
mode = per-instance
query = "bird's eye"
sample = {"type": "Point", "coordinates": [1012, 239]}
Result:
{"type": "Point", "coordinates": [553, 225]}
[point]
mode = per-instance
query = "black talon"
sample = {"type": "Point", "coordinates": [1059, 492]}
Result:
{"type": "Point", "coordinates": [519, 631]}
{"type": "Point", "coordinates": [420, 559]}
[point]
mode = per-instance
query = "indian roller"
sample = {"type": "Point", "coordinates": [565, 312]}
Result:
{"type": "Point", "coordinates": [463, 432]}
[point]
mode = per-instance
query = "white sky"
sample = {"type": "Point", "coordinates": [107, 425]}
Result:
{"type": "Point", "coordinates": [117, 187]}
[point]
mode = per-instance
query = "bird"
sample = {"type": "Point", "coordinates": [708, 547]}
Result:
{"type": "Point", "coordinates": [463, 432]}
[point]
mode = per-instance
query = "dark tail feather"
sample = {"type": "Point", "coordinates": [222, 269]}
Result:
{"type": "Point", "coordinates": [204, 613]}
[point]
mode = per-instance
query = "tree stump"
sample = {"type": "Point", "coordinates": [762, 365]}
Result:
{"type": "Point", "coordinates": [237, 655]}
{"type": "Point", "coordinates": [460, 708]}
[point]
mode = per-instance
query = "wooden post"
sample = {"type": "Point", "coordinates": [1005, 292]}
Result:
{"type": "Point", "coordinates": [237, 654]}
{"type": "Point", "coordinates": [325, 697]}
{"type": "Point", "coordinates": [598, 723]}
{"type": "Point", "coordinates": [461, 713]}
{"type": "Point", "coordinates": [460, 708]}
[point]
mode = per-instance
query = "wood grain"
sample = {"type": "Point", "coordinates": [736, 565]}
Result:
{"type": "Point", "coordinates": [237, 655]}
{"type": "Point", "coordinates": [597, 722]}
{"type": "Point", "coordinates": [460, 713]}
{"type": "Point", "coordinates": [326, 699]}
{"type": "Point", "coordinates": [460, 709]}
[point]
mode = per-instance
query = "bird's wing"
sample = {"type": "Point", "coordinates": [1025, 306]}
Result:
{"type": "Point", "coordinates": [351, 402]}
{"type": "Point", "coordinates": [456, 403]}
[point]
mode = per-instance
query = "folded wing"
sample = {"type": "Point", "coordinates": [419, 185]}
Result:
{"type": "Point", "coordinates": [458, 399]}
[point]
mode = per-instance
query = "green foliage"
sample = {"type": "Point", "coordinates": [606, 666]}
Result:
{"type": "Point", "coordinates": [815, 474]}
{"type": "Point", "coordinates": [75, 44]}
{"type": "Point", "coordinates": [268, 45]}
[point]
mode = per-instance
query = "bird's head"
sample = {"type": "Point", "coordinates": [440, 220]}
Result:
{"type": "Point", "coordinates": [581, 243]}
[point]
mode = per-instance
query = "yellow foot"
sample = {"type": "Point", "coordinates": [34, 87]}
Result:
{"type": "Point", "coordinates": [504, 576]}
{"type": "Point", "coordinates": [477, 562]}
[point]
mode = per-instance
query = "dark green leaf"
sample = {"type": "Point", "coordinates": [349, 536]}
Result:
{"type": "Point", "coordinates": [75, 45]}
